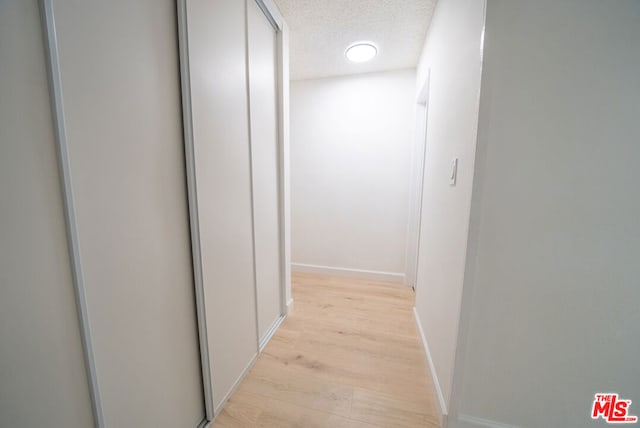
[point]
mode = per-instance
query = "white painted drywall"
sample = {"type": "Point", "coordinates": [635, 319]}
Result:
{"type": "Point", "coordinates": [120, 81]}
{"type": "Point", "coordinates": [452, 55]}
{"type": "Point", "coordinates": [221, 141]}
{"type": "Point", "coordinates": [351, 143]}
{"type": "Point", "coordinates": [555, 233]}
{"type": "Point", "coordinates": [262, 55]}
{"type": "Point", "coordinates": [42, 371]}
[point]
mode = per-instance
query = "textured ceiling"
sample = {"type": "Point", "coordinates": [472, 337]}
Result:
{"type": "Point", "coordinates": [321, 30]}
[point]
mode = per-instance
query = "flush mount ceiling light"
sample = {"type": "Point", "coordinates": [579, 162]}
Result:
{"type": "Point", "coordinates": [361, 52]}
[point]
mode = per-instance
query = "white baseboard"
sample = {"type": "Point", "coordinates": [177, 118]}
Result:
{"type": "Point", "coordinates": [466, 421]}
{"type": "Point", "coordinates": [355, 273]}
{"type": "Point", "coordinates": [289, 306]}
{"type": "Point", "coordinates": [441, 405]}
{"type": "Point", "coordinates": [272, 330]}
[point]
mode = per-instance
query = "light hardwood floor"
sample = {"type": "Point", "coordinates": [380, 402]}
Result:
{"type": "Point", "coordinates": [348, 355]}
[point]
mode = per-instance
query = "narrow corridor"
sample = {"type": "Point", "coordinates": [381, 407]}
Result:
{"type": "Point", "coordinates": [348, 355]}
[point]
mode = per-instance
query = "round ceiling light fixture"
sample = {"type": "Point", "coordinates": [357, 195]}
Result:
{"type": "Point", "coordinates": [361, 52]}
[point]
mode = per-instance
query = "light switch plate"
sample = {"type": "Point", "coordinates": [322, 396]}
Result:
{"type": "Point", "coordinates": [453, 173]}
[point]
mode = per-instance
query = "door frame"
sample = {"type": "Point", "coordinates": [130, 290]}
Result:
{"type": "Point", "coordinates": [419, 162]}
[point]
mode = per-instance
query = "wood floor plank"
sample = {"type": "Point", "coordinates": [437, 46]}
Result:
{"type": "Point", "coordinates": [389, 411]}
{"type": "Point", "coordinates": [265, 412]}
{"type": "Point", "coordinates": [347, 356]}
{"type": "Point", "coordinates": [301, 390]}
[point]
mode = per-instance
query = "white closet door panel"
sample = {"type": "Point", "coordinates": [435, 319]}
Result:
{"type": "Point", "coordinates": [221, 144]}
{"type": "Point", "coordinates": [119, 67]}
{"type": "Point", "coordinates": [42, 372]}
{"type": "Point", "coordinates": [264, 148]}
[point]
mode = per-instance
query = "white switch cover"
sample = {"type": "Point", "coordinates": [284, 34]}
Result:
{"type": "Point", "coordinates": [453, 174]}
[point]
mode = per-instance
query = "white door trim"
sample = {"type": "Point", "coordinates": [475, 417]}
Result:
{"type": "Point", "coordinates": [415, 209]}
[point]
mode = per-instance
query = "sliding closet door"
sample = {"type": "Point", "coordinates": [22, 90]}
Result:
{"type": "Point", "coordinates": [264, 155]}
{"type": "Point", "coordinates": [43, 380]}
{"type": "Point", "coordinates": [120, 84]}
{"type": "Point", "coordinates": [216, 35]}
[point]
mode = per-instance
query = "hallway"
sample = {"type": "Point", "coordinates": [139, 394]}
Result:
{"type": "Point", "coordinates": [348, 355]}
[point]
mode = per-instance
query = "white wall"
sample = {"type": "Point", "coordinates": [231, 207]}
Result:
{"type": "Point", "coordinates": [351, 142]}
{"type": "Point", "coordinates": [452, 54]}
{"type": "Point", "coordinates": [553, 281]}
